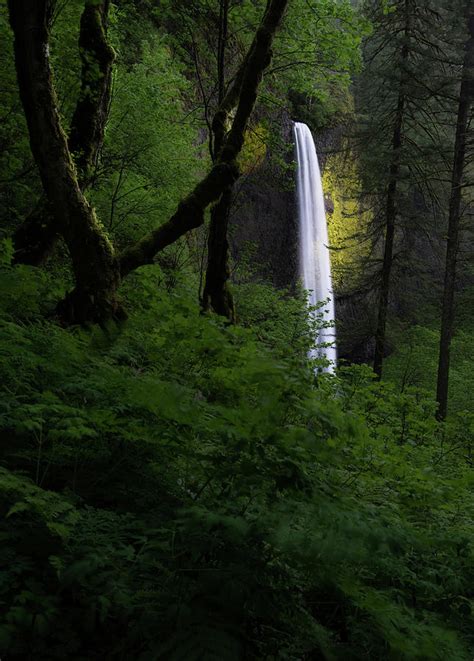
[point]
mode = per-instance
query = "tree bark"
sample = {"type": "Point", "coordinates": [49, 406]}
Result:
{"type": "Point", "coordinates": [217, 295]}
{"type": "Point", "coordinates": [391, 203]}
{"type": "Point", "coordinates": [221, 47]}
{"type": "Point", "coordinates": [90, 116]}
{"type": "Point", "coordinates": [95, 267]}
{"type": "Point", "coordinates": [390, 219]}
{"type": "Point", "coordinates": [36, 236]}
{"type": "Point", "coordinates": [224, 172]}
{"type": "Point", "coordinates": [188, 216]}
{"type": "Point", "coordinates": [466, 96]}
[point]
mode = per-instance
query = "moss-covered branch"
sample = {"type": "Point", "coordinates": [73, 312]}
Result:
{"type": "Point", "coordinates": [242, 95]}
{"type": "Point", "coordinates": [188, 216]}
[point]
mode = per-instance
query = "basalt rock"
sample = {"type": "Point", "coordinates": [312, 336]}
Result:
{"type": "Point", "coordinates": [264, 217]}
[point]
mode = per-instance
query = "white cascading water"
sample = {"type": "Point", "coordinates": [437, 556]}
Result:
{"type": "Point", "coordinates": [314, 258]}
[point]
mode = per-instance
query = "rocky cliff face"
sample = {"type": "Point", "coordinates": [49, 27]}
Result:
{"type": "Point", "coordinates": [264, 218]}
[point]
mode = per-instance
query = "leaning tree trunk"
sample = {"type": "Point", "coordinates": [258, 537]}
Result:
{"type": "Point", "coordinates": [242, 95]}
{"type": "Point", "coordinates": [391, 205]}
{"type": "Point", "coordinates": [466, 97]}
{"type": "Point", "coordinates": [36, 236]}
{"type": "Point", "coordinates": [95, 267]}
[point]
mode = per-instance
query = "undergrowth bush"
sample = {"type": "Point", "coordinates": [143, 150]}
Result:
{"type": "Point", "coordinates": [178, 488]}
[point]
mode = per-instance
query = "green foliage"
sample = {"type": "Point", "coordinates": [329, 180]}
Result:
{"type": "Point", "coordinates": [17, 171]}
{"type": "Point", "coordinates": [326, 36]}
{"type": "Point", "coordinates": [179, 489]}
{"type": "Point", "coordinates": [347, 219]}
{"type": "Point", "coordinates": [414, 362]}
{"type": "Point", "coordinates": [149, 160]}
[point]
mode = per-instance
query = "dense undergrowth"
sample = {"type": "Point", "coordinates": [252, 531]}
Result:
{"type": "Point", "coordinates": [178, 488]}
{"type": "Point", "coordinates": [414, 360]}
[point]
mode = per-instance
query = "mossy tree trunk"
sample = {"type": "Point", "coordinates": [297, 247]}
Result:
{"type": "Point", "coordinates": [95, 266]}
{"type": "Point", "coordinates": [466, 97]}
{"type": "Point", "coordinates": [90, 116]}
{"type": "Point", "coordinates": [36, 236]}
{"type": "Point", "coordinates": [217, 295]}
{"type": "Point", "coordinates": [240, 97]}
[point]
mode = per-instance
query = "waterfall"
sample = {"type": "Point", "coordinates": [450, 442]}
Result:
{"type": "Point", "coordinates": [314, 258]}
